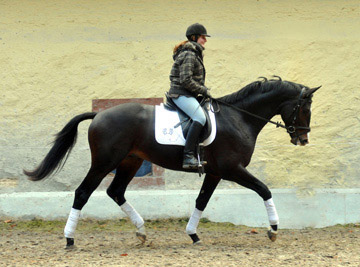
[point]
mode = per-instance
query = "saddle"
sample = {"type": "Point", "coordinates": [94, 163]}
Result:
{"type": "Point", "coordinates": [185, 120]}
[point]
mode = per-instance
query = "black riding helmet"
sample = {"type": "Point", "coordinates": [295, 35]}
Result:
{"type": "Point", "coordinates": [196, 29]}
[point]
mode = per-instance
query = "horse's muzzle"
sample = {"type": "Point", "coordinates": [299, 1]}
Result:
{"type": "Point", "coordinates": [301, 140]}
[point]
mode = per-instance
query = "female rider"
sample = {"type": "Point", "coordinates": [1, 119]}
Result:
{"type": "Point", "coordinates": [187, 78]}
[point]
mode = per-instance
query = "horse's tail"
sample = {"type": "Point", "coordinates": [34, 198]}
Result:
{"type": "Point", "coordinates": [64, 142]}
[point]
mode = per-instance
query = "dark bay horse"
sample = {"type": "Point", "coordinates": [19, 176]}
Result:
{"type": "Point", "coordinates": [123, 136]}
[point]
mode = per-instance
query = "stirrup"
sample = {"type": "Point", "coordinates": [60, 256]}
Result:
{"type": "Point", "coordinates": [201, 164]}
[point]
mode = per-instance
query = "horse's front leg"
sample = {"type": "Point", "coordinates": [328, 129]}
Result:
{"type": "Point", "coordinates": [246, 179]}
{"type": "Point", "coordinates": [206, 191]}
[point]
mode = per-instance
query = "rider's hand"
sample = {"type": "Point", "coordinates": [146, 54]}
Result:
{"type": "Point", "coordinates": [207, 94]}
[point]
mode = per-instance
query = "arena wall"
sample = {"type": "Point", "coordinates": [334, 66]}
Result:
{"type": "Point", "coordinates": [58, 56]}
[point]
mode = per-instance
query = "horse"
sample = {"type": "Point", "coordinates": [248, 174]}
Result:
{"type": "Point", "coordinates": [123, 136]}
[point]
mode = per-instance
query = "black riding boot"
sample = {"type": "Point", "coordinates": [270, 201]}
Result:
{"type": "Point", "coordinates": [190, 160]}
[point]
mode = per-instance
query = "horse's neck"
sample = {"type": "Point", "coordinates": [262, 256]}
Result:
{"type": "Point", "coordinates": [265, 108]}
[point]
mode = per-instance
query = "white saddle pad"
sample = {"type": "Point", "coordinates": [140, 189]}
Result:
{"type": "Point", "coordinates": [166, 134]}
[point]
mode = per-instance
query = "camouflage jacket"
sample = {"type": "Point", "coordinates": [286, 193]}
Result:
{"type": "Point", "coordinates": [187, 75]}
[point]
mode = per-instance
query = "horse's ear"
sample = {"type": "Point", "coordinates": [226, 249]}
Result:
{"type": "Point", "coordinates": [309, 92]}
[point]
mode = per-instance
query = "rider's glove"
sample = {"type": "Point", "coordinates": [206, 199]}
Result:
{"type": "Point", "coordinates": [206, 93]}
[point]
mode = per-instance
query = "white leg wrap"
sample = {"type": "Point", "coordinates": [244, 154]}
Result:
{"type": "Point", "coordinates": [71, 223]}
{"type": "Point", "coordinates": [193, 222]}
{"type": "Point", "coordinates": [272, 213]}
{"type": "Point", "coordinates": [135, 217]}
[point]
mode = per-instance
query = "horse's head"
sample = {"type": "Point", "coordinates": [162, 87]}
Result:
{"type": "Point", "coordinates": [296, 114]}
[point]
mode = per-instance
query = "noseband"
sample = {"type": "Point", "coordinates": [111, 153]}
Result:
{"type": "Point", "coordinates": [290, 129]}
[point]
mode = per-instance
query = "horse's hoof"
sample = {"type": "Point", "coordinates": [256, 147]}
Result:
{"type": "Point", "coordinates": [198, 243]}
{"type": "Point", "coordinates": [141, 234]}
{"type": "Point", "coordinates": [141, 237]}
{"type": "Point", "coordinates": [272, 235]}
{"type": "Point", "coordinates": [70, 244]}
{"type": "Point", "coordinates": [195, 239]}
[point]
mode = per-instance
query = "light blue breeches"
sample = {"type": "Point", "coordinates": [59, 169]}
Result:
{"type": "Point", "coordinates": [191, 107]}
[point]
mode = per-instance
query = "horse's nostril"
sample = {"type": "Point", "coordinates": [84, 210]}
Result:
{"type": "Point", "coordinates": [304, 141]}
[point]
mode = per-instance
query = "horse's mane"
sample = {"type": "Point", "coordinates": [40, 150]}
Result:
{"type": "Point", "coordinates": [260, 87]}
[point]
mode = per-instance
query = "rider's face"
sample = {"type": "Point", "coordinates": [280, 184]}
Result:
{"type": "Point", "coordinates": [202, 40]}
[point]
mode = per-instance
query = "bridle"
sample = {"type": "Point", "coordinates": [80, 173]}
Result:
{"type": "Point", "coordinates": [292, 128]}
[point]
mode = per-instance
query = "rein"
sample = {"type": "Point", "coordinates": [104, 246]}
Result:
{"type": "Point", "coordinates": [290, 129]}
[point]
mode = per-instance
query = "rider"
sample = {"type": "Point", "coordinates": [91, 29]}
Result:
{"type": "Point", "coordinates": [187, 78]}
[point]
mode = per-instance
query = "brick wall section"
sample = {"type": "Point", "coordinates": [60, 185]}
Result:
{"type": "Point", "coordinates": [156, 179]}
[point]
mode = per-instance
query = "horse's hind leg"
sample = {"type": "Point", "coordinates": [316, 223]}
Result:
{"type": "Point", "coordinates": [124, 174]}
{"type": "Point", "coordinates": [100, 167]}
